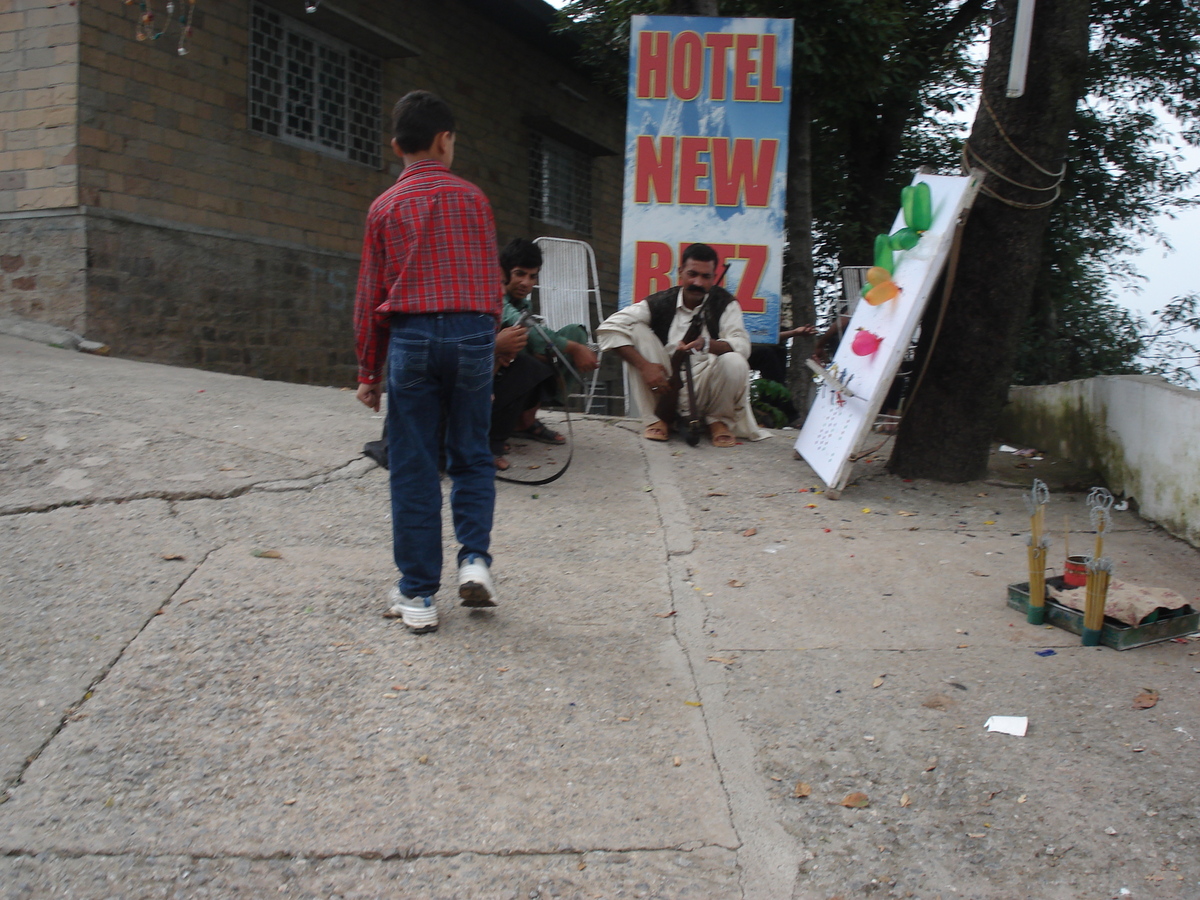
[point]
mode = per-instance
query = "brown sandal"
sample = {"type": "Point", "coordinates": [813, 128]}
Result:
{"type": "Point", "coordinates": [657, 431]}
{"type": "Point", "coordinates": [721, 435]}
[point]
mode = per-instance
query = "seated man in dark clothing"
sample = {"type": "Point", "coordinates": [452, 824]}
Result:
{"type": "Point", "coordinates": [525, 379]}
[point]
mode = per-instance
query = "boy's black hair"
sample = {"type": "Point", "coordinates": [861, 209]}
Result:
{"type": "Point", "coordinates": [520, 252]}
{"type": "Point", "coordinates": [419, 117]}
{"type": "Point", "coordinates": [700, 253]}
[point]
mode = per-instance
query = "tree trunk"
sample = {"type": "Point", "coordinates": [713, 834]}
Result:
{"type": "Point", "coordinates": [947, 431]}
{"type": "Point", "coordinates": [799, 262]}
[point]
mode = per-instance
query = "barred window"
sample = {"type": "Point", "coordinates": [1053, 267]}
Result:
{"type": "Point", "coordinates": [560, 185]}
{"type": "Point", "coordinates": [309, 89]}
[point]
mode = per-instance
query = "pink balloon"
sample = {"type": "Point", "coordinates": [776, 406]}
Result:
{"type": "Point", "coordinates": [865, 342]}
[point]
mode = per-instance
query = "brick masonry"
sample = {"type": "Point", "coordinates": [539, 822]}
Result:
{"type": "Point", "coordinates": [43, 269]}
{"type": "Point", "coordinates": [210, 245]}
{"type": "Point", "coordinates": [221, 303]}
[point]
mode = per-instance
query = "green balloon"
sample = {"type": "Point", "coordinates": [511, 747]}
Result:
{"type": "Point", "coordinates": [918, 206]}
{"type": "Point", "coordinates": [904, 239]}
{"type": "Point", "coordinates": [883, 252]}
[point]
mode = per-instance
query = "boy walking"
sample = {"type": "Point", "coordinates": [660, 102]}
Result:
{"type": "Point", "coordinates": [428, 302]}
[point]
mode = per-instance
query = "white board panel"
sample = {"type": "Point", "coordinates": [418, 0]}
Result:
{"type": "Point", "coordinates": [837, 424]}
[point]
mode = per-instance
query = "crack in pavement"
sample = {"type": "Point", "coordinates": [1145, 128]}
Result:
{"type": "Point", "coordinates": [369, 855]}
{"type": "Point", "coordinates": [768, 857]}
{"type": "Point", "coordinates": [72, 710]}
{"type": "Point", "coordinates": [355, 468]}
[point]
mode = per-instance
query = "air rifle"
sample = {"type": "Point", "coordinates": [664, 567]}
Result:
{"type": "Point", "coordinates": [681, 370]}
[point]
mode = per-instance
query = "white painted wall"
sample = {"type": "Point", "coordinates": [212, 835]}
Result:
{"type": "Point", "coordinates": [1141, 433]}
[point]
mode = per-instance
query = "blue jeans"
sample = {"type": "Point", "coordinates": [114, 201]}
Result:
{"type": "Point", "coordinates": [439, 376]}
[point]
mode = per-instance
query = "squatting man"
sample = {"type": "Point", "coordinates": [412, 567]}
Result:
{"type": "Point", "coordinates": [647, 333]}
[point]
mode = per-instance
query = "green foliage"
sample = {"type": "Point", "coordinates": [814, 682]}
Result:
{"type": "Point", "coordinates": [888, 82]}
{"type": "Point", "coordinates": [766, 398]}
{"type": "Point", "coordinates": [1166, 350]}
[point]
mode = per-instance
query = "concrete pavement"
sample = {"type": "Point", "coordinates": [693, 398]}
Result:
{"type": "Point", "coordinates": [693, 664]}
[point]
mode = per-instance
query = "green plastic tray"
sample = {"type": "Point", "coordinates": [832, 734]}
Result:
{"type": "Point", "coordinates": [1117, 635]}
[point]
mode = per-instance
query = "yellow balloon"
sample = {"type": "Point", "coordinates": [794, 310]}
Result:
{"type": "Point", "coordinates": [882, 293]}
{"type": "Point", "coordinates": [878, 275]}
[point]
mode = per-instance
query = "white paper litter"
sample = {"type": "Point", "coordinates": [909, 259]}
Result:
{"type": "Point", "coordinates": [1004, 448]}
{"type": "Point", "coordinates": [1014, 725]}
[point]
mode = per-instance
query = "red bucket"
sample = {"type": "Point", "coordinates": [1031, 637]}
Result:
{"type": "Point", "coordinates": [1075, 571]}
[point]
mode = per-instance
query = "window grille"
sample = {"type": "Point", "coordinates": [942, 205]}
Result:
{"type": "Point", "coordinates": [312, 90]}
{"type": "Point", "coordinates": [560, 185]}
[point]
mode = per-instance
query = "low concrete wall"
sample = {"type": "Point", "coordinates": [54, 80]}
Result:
{"type": "Point", "coordinates": [1141, 433]}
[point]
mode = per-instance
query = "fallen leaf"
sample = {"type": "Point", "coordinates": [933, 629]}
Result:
{"type": "Point", "coordinates": [856, 800]}
{"type": "Point", "coordinates": [962, 646]}
{"type": "Point", "coordinates": [904, 512]}
{"type": "Point", "coordinates": [535, 467]}
{"type": "Point", "coordinates": [765, 496]}
{"type": "Point", "coordinates": [984, 494]}
{"type": "Point", "coordinates": [692, 703]}
{"type": "Point", "coordinates": [866, 509]}
{"type": "Point", "coordinates": [931, 764]}
{"type": "Point", "coordinates": [974, 835]}
{"type": "Point", "coordinates": [399, 687]}
{"type": "Point", "coordinates": [750, 532]}
{"type": "Point", "coordinates": [21, 437]}
{"type": "Point", "coordinates": [803, 789]}
{"type": "Point", "coordinates": [904, 801]}
{"type": "Point", "coordinates": [582, 865]}
{"type": "Point", "coordinates": [878, 681]}
{"type": "Point", "coordinates": [1022, 798]}
{"type": "Point", "coordinates": [665, 615]}
{"type": "Point", "coordinates": [267, 554]}
{"type": "Point", "coordinates": [422, 759]}
{"type": "Point", "coordinates": [724, 660]}
{"type": "Point", "coordinates": [810, 506]}
{"type": "Point", "coordinates": [716, 494]}
{"type": "Point", "coordinates": [1145, 700]}
{"type": "Point", "coordinates": [733, 582]}
{"type": "Point", "coordinates": [501, 668]}
{"type": "Point", "coordinates": [776, 778]}
{"type": "Point", "coordinates": [989, 522]}
{"type": "Point", "coordinates": [623, 718]}
{"type": "Point", "coordinates": [289, 802]}
{"type": "Point", "coordinates": [172, 556]}
{"type": "Point", "coordinates": [677, 761]}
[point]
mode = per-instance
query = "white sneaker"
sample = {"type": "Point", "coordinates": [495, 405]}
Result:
{"type": "Point", "coordinates": [418, 613]}
{"type": "Point", "coordinates": [475, 583]}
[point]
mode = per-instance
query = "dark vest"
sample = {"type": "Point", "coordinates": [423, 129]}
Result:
{"type": "Point", "coordinates": [662, 311]}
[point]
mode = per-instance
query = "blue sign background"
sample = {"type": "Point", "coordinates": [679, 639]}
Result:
{"type": "Point", "coordinates": [674, 224]}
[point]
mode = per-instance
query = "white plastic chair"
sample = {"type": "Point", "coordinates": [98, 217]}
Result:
{"type": "Point", "coordinates": [568, 287]}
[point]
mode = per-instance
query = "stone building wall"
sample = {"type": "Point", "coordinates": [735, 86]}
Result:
{"type": "Point", "coordinates": [215, 246]}
{"type": "Point", "coordinates": [39, 62]}
{"type": "Point", "coordinates": [41, 235]}
{"type": "Point", "coordinates": [221, 302]}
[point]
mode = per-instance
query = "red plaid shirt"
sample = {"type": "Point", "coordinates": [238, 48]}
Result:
{"type": "Point", "coordinates": [430, 247]}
